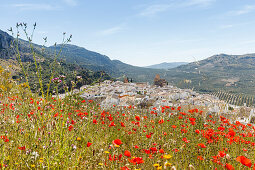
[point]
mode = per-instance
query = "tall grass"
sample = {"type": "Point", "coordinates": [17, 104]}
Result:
{"type": "Point", "coordinates": [22, 28]}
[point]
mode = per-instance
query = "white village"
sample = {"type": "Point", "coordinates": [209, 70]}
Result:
{"type": "Point", "coordinates": [144, 95]}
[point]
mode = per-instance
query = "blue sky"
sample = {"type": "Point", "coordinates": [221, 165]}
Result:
{"type": "Point", "coordinates": [141, 32]}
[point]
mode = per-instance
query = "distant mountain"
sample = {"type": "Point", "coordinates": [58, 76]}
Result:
{"type": "Point", "coordinates": [231, 73]}
{"type": "Point", "coordinates": [166, 65]}
{"type": "Point", "coordinates": [96, 62]}
{"type": "Point", "coordinates": [46, 61]}
{"type": "Point", "coordinates": [73, 58]}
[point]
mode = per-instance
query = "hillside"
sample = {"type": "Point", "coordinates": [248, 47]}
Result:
{"type": "Point", "coordinates": [231, 73]}
{"type": "Point", "coordinates": [96, 62]}
{"type": "Point", "coordinates": [45, 61]}
{"type": "Point", "coordinates": [166, 65]}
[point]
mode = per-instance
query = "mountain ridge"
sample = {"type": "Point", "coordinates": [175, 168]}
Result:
{"type": "Point", "coordinates": [231, 73]}
{"type": "Point", "coordinates": [166, 65]}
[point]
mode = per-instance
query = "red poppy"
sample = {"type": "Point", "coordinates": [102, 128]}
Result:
{"type": "Point", "coordinates": [117, 142]}
{"type": "Point", "coordinates": [148, 136]}
{"type": "Point", "coordinates": [112, 124]}
{"type": "Point", "coordinates": [153, 149]}
{"type": "Point", "coordinates": [124, 168]}
{"type": "Point", "coordinates": [137, 118]}
{"type": "Point", "coordinates": [70, 127]}
{"type": "Point", "coordinates": [127, 153]}
{"type": "Point", "coordinates": [243, 160]}
{"type": "Point", "coordinates": [174, 126]}
{"type": "Point", "coordinates": [94, 121]}
{"type": "Point", "coordinates": [161, 151]}
{"type": "Point", "coordinates": [200, 158]}
{"type": "Point", "coordinates": [221, 154]}
{"type": "Point", "coordinates": [120, 156]}
{"type": "Point", "coordinates": [231, 132]}
{"type": "Point", "coordinates": [122, 124]}
{"type": "Point", "coordinates": [89, 144]}
{"type": "Point", "coordinates": [22, 148]}
{"type": "Point", "coordinates": [201, 145]}
{"type": "Point", "coordinates": [136, 160]}
{"type": "Point", "coordinates": [229, 166]}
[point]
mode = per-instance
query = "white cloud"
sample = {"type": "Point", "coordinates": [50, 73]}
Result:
{"type": "Point", "coordinates": [154, 9]}
{"type": "Point", "coordinates": [71, 2]}
{"type": "Point", "coordinates": [226, 26]}
{"type": "Point", "coordinates": [111, 31]}
{"type": "Point", "coordinates": [198, 2]}
{"type": "Point", "coordinates": [44, 7]}
{"type": "Point", "coordinates": [246, 9]}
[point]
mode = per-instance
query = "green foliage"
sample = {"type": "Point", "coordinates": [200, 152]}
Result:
{"type": "Point", "coordinates": [39, 64]}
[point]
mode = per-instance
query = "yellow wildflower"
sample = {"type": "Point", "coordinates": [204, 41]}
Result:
{"type": "Point", "coordinates": [33, 166]}
{"type": "Point", "coordinates": [78, 138]}
{"type": "Point", "coordinates": [106, 152]}
{"type": "Point", "coordinates": [100, 164]}
{"type": "Point", "coordinates": [167, 164]}
{"type": "Point", "coordinates": [156, 165]}
{"type": "Point", "coordinates": [41, 160]}
{"type": "Point", "coordinates": [167, 156]}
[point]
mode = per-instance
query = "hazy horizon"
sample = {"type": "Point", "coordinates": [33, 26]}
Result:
{"type": "Point", "coordinates": [141, 33]}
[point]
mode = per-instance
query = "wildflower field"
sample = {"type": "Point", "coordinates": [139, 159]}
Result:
{"type": "Point", "coordinates": [73, 133]}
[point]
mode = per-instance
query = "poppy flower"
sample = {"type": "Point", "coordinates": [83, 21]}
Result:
{"type": "Point", "coordinates": [70, 127]}
{"type": "Point", "coordinates": [200, 158]}
{"type": "Point", "coordinates": [124, 168]}
{"type": "Point", "coordinates": [22, 148]}
{"type": "Point", "coordinates": [127, 153]}
{"type": "Point", "coordinates": [201, 145]}
{"type": "Point", "coordinates": [112, 124]}
{"type": "Point", "coordinates": [229, 166]}
{"type": "Point", "coordinates": [122, 124]}
{"type": "Point", "coordinates": [120, 156]}
{"type": "Point", "coordinates": [221, 154]}
{"type": "Point", "coordinates": [137, 118]}
{"type": "Point", "coordinates": [231, 132]}
{"type": "Point", "coordinates": [161, 151]}
{"type": "Point", "coordinates": [94, 121]}
{"type": "Point", "coordinates": [136, 160]}
{"type": "Point", "coordinates": [148, 136]}
{"type": "Point", "coordinates": [89, 144]}
{"type": "Point", "coordinates": [117, 142]}
{"type": "Point", "coordinates": [243, 160]}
